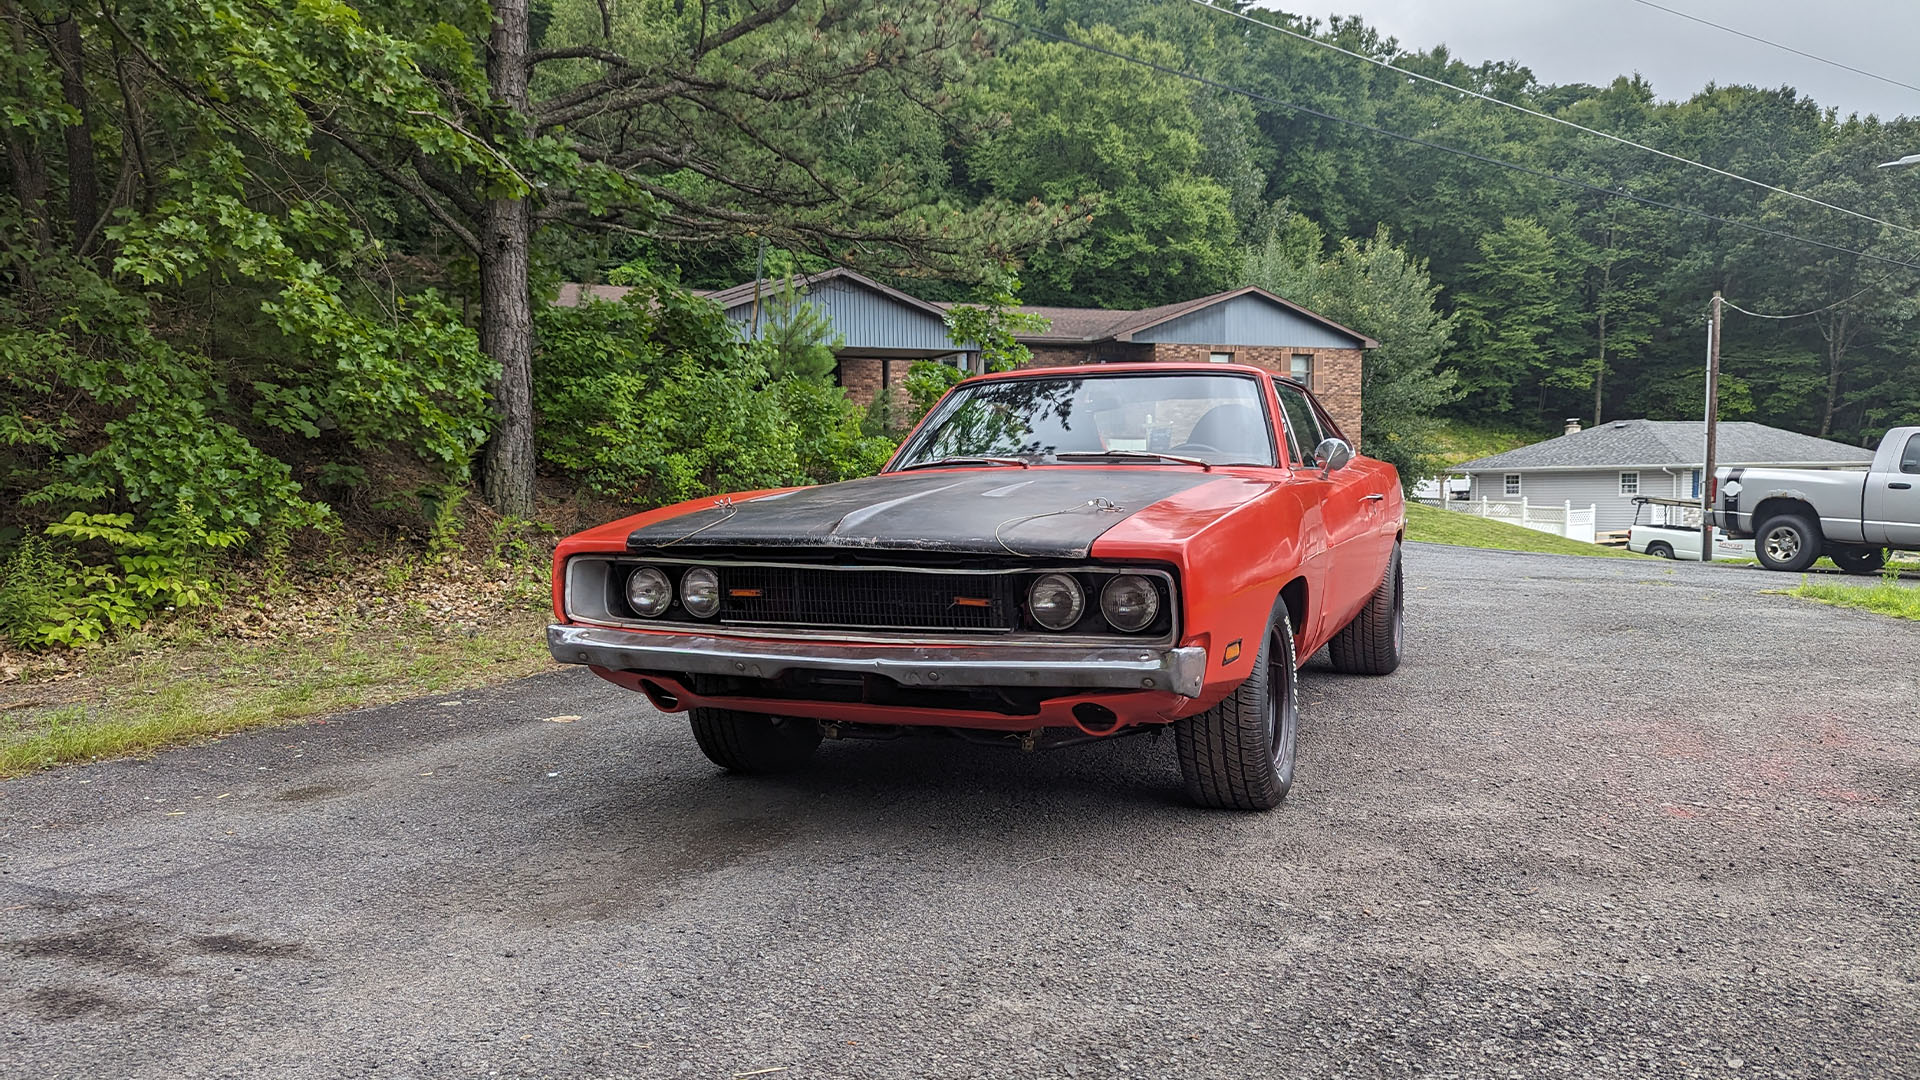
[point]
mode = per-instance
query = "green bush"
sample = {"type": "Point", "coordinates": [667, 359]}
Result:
{"type": "Point", "coordinates": [58, 596]}
{"type": "Point", "coordinates": [657, 399]}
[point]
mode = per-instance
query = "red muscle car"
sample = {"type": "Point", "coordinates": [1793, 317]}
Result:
{"type": "Point", "coordinates": [1054, 555]}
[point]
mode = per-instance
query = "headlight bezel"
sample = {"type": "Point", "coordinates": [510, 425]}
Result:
{"type": "Point", "coordinates": [1151, 606]}
{"type": "Point", "coordinates": [1075, 611]}
{"type": "Point", "coordinates": [664, 584]}
{"type": "Point", "coordinates": [706, 575]}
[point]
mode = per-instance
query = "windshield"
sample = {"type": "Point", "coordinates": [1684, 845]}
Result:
{"type": "Point", "coordinates": [1218, 419]}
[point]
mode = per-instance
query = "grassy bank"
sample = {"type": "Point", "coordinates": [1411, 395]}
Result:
{"type": "Point", "coordinates": [1435, 526]}
{"type": "Point", "coordinates": [386, 634]}
{"type": "Point", "coordinates": [1884, 597]}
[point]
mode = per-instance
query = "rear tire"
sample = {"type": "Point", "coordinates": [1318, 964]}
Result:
{"type": "Point", "coordinates": [752, 743]}
{"type": "Point", "coordinates": [1370, 644]}
{"type": "Point", "coordinates": [1787, 542]}
{"type": "Point", "coordinates": [1239, 754]}
{"type": "Point", "coordinates": [1660, 549]}
{"type": "Point", "coordinates": [1859, 560]}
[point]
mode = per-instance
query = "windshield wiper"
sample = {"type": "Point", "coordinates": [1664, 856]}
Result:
{"type": "Point", "coordinates": [1138, 455]}
{"type": "Point", "coordinates": [979, 460]}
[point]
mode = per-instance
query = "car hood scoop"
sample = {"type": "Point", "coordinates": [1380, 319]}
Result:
{"type": "Point", "coordinates": [1044, 512]}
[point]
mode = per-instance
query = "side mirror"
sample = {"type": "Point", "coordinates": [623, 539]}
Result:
{"type": "Point", "coordinates": [1332, 455]}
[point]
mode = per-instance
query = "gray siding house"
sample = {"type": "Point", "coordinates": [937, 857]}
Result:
{"type": "Point", "coordinates": [1607, 466]}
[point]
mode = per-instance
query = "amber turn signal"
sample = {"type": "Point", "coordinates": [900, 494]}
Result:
{"type": "Point", "coordinates": [1231, 653]}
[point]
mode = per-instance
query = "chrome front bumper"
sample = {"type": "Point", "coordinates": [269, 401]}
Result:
{"type": "Point", "coordinates": [1181, 670]}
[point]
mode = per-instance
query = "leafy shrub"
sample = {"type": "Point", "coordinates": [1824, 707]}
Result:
{"type": "Point", "coordinates": [657, 399]}
{"type": "Point", "coordinates": [53, 596]}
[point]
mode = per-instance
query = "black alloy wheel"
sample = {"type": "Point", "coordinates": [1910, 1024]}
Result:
{"type": "Point", "coordinates": [1239, 755]}
{"type": "Point", "coordinates": [1371, 643]}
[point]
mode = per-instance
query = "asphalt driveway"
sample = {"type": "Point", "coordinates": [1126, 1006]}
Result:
{"type": "Point", "coordinates": [1613, 818]}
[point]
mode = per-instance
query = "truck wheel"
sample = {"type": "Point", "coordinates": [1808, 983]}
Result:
{"type": "Point", "coordinates": [1859, 560]}
{"type": "Point", "coordinates": [1238, 755]}
{"type": "Point", "coordinates": [752, 743]}
{"type": "Point", "coordinates": [1787, 542]}
{"type": "Point", "coordinates": [1370, 644]}
{"type": "Point", "coordinates": [1660, 549]}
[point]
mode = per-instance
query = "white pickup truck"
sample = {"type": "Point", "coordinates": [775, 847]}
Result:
{"type": "Point", "coordinates": [1854, 518]}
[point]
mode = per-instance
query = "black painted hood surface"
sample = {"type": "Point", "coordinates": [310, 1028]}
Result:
{"type": "Point", "coordinates": [1045, 512]}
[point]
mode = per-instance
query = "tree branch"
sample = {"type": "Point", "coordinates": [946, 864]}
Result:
{"type": "Point", "coordinates": [410, 185]}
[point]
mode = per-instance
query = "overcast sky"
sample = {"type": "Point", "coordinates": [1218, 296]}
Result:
{"type": "Point", "coordinates": [1593, 40]}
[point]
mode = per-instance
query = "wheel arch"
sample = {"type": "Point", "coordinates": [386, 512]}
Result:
{"type": "Point", "coordinates": [1293, 597]}
{"type": "Point", "coordinates": [1785, 503]}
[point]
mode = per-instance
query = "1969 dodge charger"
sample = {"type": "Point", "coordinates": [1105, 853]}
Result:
{"type": "Point", "coordinates": [1054, 555]}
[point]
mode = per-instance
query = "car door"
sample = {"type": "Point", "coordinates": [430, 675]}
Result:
{"type": "Point", "coordinates": [1349, 508]}
{"type": "Point", "coordinates": [1893, 500]}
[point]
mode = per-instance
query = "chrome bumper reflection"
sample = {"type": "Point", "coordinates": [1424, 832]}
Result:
{"type": "Point", "coordinates": [1180, 670]}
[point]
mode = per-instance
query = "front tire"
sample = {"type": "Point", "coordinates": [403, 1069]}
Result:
{"type": "Point", "coordinates": [751, 743]}
{"type": "Point", "coordinates": [1787, 542]}
{"type": "Point", "coordinates": [1239, 754]}
{"type": "Point", "coordinates": [1370, 644]}
{"type": "Point", "coordinates": [1859, 560]}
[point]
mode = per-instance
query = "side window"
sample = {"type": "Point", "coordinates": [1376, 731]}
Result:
{"type": "Point", "coordinates": [1629, 483]}
{"type": "Point", "coordinates": [1510, 484]}
{"type": "Point", "coordinates": [1910, 458]}
{"type": "Point", "coordinates": [1302, 425]}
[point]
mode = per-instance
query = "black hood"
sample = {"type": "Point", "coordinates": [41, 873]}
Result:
{"type": "Point", "coordinates": [1045, 512]}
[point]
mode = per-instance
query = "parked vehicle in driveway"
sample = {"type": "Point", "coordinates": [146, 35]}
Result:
{"type": "Point", "coordinates": [1053, 556]}
{"type": "Point", "coordinates": [1853, 518]}
{"type": "Point", "coordinates": [1671, 537]}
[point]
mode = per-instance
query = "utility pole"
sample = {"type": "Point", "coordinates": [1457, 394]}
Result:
{"type": "Point", "coordinates": [1713, 427]}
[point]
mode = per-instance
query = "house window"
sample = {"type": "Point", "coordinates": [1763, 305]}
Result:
{"type": "Point", "coordinates": [1220, 358]}
{"type": "Point", "coordinates": [1511, 483]}
{"type": "Point", "coordinates": [1303, 369]}
{"type": "Point", "coordinates": [1629, 483]}
{"type": "Point", "coordinates": [1696, 483]}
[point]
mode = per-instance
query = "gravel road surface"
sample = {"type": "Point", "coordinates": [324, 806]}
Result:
{"type": "Point", "coordinates": [1613, 818]}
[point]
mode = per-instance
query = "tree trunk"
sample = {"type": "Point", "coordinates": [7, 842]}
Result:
{"type": "Point", "coordinates": [1600, 372]}
{"type": "Point", "coordinates": [83, 185]}
{"type": "Point", "coordinates": [1836, 352]}
{"type": "Point", "coordinates": [506, 334]}
{"type": "Point", "coordinates": [24, 157]}
{"type": "Point", "coordinates": [506, 303]}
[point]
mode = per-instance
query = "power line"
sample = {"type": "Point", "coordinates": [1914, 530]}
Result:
{"type": "Point", "coordinates": [1616, 193]}
{"type": "Point", "coordinates": [1804, 314]}
{"type": "Point", "coordinates": [1775, 44]}
{"type": "Point", "coordinates": [1311, 40]}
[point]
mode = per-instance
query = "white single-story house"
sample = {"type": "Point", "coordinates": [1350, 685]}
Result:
{"type": "Point", "coordinates": [1606, 467]}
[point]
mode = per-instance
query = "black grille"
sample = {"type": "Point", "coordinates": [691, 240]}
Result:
{"type": "Point", "coordinates": [868, 599]}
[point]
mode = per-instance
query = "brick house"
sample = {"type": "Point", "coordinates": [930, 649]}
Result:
{"type": "Point", "coordinates": [887, 330]}
{"type": "Point", "coordinates": [1241, 326]}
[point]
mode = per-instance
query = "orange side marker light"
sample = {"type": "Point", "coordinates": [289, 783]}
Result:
{"type": "Point", "coordinates": [1229, 654]}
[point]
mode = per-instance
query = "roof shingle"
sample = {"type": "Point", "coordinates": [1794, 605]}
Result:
{"type": "Point", "coordinates": [1661, 443]}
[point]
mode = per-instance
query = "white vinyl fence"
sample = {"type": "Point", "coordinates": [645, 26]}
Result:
{"type": "Point", "coordinates": [1563, 520]}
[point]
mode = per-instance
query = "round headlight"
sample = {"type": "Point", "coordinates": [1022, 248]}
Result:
{"type": "Point", "coordinates": [1130, 602]}
{"type": "Point", "coordinates": [1056, 601]}
{"type": "Point", "coordinates": [700, 592]}
{"type": "Point", "coordinates": [648, 592]}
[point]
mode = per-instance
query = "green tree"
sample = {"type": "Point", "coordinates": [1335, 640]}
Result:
{"type": "Point", "coordinates": [1376, 287]}
{"type": "Point", "coordinates": [1073, 126]}
{"type": "Point", "coordinates": [799, 335]}
{"type": "Point", "coordinates": [989, 324]}
{"type": "Point", "coordinates": [1517, 320]}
